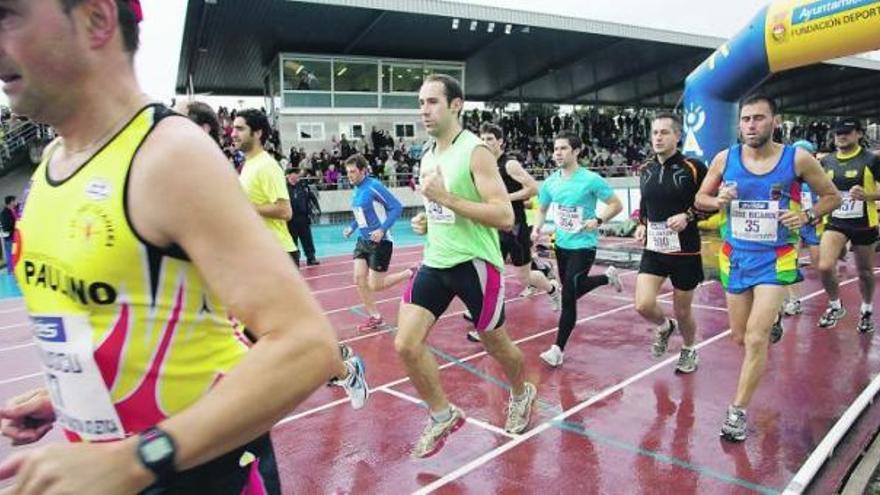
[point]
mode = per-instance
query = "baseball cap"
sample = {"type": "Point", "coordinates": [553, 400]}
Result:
{"type": "Point", "coordinates": [847, 125]}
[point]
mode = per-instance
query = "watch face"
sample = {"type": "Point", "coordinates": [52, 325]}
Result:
{"type": "Point", "coordinates": [157, 449]}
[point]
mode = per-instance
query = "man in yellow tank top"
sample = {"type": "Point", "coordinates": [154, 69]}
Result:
{"type": "Point", "coordinates": [134, 293]}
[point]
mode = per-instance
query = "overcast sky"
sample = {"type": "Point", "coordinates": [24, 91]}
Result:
{"type": "Point", "coordinates": [162, 28]}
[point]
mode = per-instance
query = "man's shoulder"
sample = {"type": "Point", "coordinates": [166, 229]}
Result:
{"type": "Point", "coordinates": [265, 162]}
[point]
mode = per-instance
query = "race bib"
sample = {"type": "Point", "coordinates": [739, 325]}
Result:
{"type": "Point", "coordinates": [754, 220]}
{"type": "Point", "coordinates": [662, 239]}
{"type": "Point", "coordinates": [849, 208]}
{"type": "Point", "coordinates": [79, 396]}
{"type": "Point", "coordinates": [359, 217]}
{"type": "Point", "coordinates": [438, 213]}
{"type": "Point", "coordinates": [569, 218]}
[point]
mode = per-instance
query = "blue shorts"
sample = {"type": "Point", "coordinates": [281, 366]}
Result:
{"type": "Point", "coordinates": [743, 269]}
{"type": "Point", "coordinates": [810, 235]}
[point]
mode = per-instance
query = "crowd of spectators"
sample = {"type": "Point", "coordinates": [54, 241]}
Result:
{"type": "Point", "coordinates": [616, 144]}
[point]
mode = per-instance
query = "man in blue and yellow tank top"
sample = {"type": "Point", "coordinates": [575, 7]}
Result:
{"type": "Point", "coordinates": [134, 234]}
{"type": "Point", "coordinates": [760, 192]}
{"type": "Point", "coordinates": [855, 172]}
{"type": "Point", "coordinates": [466, 203]}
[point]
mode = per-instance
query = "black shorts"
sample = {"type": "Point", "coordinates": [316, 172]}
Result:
{"type": "Point", "coordinates": [477, 283]}
{"type": "Point", "coordinates": [225, 476]}
{"type": "Point", "coordinates": [684, 271]}
{"type": "Point", "coordinates": [517, 245]}
{"type": "Point", "coordinates": [377, 254]}
{"type": "Point", "coordinates": [857, 236]}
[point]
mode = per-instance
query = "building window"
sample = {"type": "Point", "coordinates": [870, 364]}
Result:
{"type": "Point", "coordinates": [362, 77]}
{"type": "Point", "coordinates": [401, 78]}
{"type": "Point", "coordinates": [455, 72]}
{"type": "Point", "coordinates": [310, 131]}
{"type": "Point", "coordinates": [307, 75]}
{"type": "Point", "coordinates": [404, 130]}
{"type": "Point", "coordinates": [352, 130]}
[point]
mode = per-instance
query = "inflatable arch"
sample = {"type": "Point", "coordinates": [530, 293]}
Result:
{"type": "Point", "coordinates": [783, 35]}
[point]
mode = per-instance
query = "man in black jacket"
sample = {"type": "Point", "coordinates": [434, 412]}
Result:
{"type": "Point", "coordinates": [7, 228]}
{"type": "Point", "coordinates": [302, 200]}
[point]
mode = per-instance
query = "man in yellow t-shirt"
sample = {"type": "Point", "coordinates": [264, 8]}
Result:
{"type": "Point", "coordinates": [262, 178]}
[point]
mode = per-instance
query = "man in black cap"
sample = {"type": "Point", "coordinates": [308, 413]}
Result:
{"type": "Point", "coordinates": [855, 171]}
{"type": "Point", "coordinates": [302, 200]}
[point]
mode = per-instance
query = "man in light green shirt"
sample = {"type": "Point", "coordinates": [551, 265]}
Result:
{"type": "Point", "coordinates": [465, 205]}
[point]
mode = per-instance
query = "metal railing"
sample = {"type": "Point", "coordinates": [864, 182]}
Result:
{"type": "Point", "coordinates": [23, 141]}
{"type": "Point", "coordinates": [404, 179]}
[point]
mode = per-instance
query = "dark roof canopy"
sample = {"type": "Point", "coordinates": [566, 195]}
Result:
{"type": "Point", "coordinates": [227, 46]}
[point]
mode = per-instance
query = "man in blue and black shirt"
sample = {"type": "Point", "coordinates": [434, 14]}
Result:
{"type": "Point", "coordinates": [372, 253]}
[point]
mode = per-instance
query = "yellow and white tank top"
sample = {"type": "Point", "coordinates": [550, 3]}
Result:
{"type": "Point", "coordinates": [128, 333]}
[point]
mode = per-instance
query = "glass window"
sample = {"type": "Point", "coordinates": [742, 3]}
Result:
{"type": "Point", "coordinates": [356, 131]}
{"type": "Point", "coordinates": [401, 78]}
{"type": "Point", "coordinates": [455, 72]}
{"type": "Point", "coordinates": [356, 76]}
{"type": "Point", "coordinates": [309, 131]}
{"type": "Point", "coordinates": [404, 130]}
{"type": "Point", "coordinates": [307, 75]}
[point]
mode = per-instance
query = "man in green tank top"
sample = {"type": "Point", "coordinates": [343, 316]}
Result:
{"type": "Point", "coordinates": [466, 203]}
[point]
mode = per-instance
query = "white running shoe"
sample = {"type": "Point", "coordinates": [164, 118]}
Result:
{"type": "Point", "coordinates": [552, 356]}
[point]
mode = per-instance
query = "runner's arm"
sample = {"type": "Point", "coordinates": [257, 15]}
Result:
{"type": "Point", "coordinates": [706, 198]}
{"type": "Point", "coordinates": [246, 268]}
{"type": "Point", "coordinates": [812, 173]}
{"type": "Point", "coordinates": [519, 174]}
{"type": "Point", "coordinates": [392, 206]}
{"type": "Point", "coordinates": [613, 206]}
{"type": "Point", "coordinates": [874, 167]}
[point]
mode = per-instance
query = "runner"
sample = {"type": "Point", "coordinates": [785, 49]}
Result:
{"type": "Point", "coordinates": [157, 235]}
{"type": "Point", "coordinates": [516, 245]}
{"type": "Point", "coordinates": [668, 226]}
{"type": "Point", "coordinates": [759, 194]}
{"type": "Point", "coordinates": [572, 192]}
{"type": "Point", "coordinates": [465, 205]}
{"type": "Point", "coordinates": [809, 234]}
{"type": "Point", "coordinates": [372, 253]}
{"type": "Point", "coordinates": [855, 172]}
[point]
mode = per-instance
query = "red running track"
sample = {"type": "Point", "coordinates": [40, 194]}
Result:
{"type": "Point", "coordinates": [611, 420]}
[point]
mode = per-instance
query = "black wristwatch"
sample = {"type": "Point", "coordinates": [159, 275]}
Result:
{"type": "Point", "coordinates": [156, 450]}
{"type": "Point", "coordinates": [599, 221]}
{"type": "Point", "coordinates": [811, 216]}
